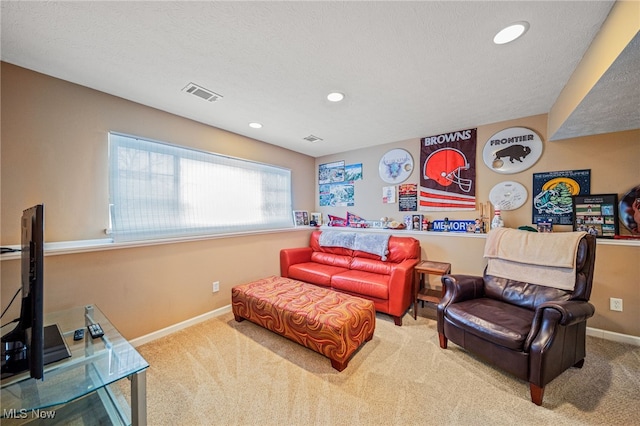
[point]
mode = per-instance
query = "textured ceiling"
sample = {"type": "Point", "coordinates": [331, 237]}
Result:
{"type": "Point", "coordinates": [613, 104]}
{"type": "Point", "coordinates": [408, 69]}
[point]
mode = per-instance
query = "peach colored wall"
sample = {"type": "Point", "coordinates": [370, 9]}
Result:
{"type": "Point", "coordinates": [613, 160]}
{"type": "Point", "coordinates": [54, 150]}
{"type": "Point", "coordinates": [145, 289]}
{"type": "Point", "coordinates": [57, 131]}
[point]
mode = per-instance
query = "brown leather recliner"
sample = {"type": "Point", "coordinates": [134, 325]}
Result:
{"type": "Point", "coordinates": [532, 331]}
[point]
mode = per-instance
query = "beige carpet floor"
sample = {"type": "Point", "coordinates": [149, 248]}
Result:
{"type": "Point", "coordinates": [221, 372]}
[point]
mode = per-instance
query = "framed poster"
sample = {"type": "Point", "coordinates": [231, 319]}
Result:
{"type": "Point", "coordinates": [596, 214]}
{"type": "Point", "coordinates": [301, 218]}
{"type": "Point", "coordinates": [552, 192]}
{"type": "Point", "coordinates": [316, 218]}
{"type": "Point", "coordinates": [331, 172]}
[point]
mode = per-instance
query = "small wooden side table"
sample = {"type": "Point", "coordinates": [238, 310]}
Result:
{"type": "Point", "coordinates": [426, 294]}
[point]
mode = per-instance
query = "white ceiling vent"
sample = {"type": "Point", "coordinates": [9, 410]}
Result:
{"type": "Point", "coordinates": [312, 138]}
{"type": "Point", "coordinates": [201, 92]}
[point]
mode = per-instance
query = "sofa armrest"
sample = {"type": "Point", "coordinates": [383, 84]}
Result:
{"type": "Point", "coordinates": [401, 286]}
{"type": "Point", "coordinates": [292, 256]}
{"type": "Point", "coordinates": [458, 288]}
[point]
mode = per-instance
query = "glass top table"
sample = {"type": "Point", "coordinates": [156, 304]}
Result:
{"type": "Point", "coordinates": [93, 366]}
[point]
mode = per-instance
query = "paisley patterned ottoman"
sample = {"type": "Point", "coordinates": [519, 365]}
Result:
{"type": "Point", "coordinates": [331, 323]}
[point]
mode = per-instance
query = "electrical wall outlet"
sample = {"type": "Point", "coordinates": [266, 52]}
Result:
{"type": "Point", "coordinates": [615, 304]}
{"type": "Point", "coordinates": [216, 286]}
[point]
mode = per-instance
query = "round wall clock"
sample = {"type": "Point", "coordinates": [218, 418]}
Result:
{"type": "Point", "coordinates": [508, 195]}
{"type": "Point", "coordinates": [512, 150]}
{"type": "Point", "coordinates": [395, 166]}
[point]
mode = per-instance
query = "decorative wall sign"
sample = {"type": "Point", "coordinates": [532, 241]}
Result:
{"type": "Point", "coordinates": [552, 192]}
{"type": "Point", "coordinates": [452, 225]}
{"type": "Point", "coordinates": [512, 150]}
{"type": "Point", "coordinates": [508, 195]}
{"type": "Point", "coordinates": [408, 197]}
{"type": "Point", "coordinates": [337, 194]}
{"type": "Point", "coordinates": [331, 172]}
{"type": "Point", "coordinates": [395, 166]}
{"type": "Point", "coordinates": [448, 171]}
{"type": "Point", "coordinates": [596, 214]}
{"type": "Point", "coordinates": [630, 210]}
{"type": "Point", "coordinates": [353, 172]}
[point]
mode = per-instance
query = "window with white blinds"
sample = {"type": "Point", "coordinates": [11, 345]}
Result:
{"type": "Point", "coordinates": [159, 190]}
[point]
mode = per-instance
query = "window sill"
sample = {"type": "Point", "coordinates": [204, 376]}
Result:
{"type": "Point", "coordinates": [83, 246]}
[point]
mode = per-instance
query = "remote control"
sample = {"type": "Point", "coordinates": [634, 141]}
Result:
{"type": "Point", "coordinates": [95, 330]}
{"type": "Point", "coordinates": [78, 334]}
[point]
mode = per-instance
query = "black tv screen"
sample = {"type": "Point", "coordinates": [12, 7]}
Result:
{"type": "Point", "coordinates": [23, 347]}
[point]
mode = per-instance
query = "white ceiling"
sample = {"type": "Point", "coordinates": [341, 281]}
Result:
{"type": "Point", "coordinates": [408, 69]}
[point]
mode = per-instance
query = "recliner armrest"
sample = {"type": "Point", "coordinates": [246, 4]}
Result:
{"type": "Point", "coordinates": [461, 287]}
{"type": "Point", "coordinates": [458, 288]}
{"type": "Point", "coordinates": [564, 312]}
{"type": "Point", "coordinates": [572, 311]}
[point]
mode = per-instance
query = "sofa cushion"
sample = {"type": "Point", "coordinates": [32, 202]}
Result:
{"type": "Point", "coordinates": [498, 322]}
{"type": "Point", "coordinates": [364, 283]}
{"type": "Point", "coordinates": [315, 273]}
{"type": "Point", "coordinates": [403, 248]}
{"type": "Point", "coordinates": [331, 259]}
{"type": "Point", "coordinates": [371, 265]}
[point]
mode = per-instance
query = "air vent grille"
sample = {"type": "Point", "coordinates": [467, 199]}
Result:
{"type": "Point", "coordinates": [201, 92]}
{"type": "Point", "coordinates": [312, 138]}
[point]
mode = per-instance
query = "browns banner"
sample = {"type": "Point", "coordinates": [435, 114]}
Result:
{"type": "Point", "coordinates": [448, 175]}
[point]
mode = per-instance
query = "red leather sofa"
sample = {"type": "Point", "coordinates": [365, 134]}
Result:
{"type": "Point", "coordinates": [388, 283]}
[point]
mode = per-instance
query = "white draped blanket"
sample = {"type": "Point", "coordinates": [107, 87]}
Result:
{"type": "Point", "coordinates": [539, 258]}
{"type": "Point", "coordinates": [369, 243]}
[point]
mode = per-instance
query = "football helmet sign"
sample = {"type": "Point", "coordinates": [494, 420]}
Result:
{"type": "Point", "coordinates": [445, 165]}
{"type": "Point", "coordinates": [448, 171]}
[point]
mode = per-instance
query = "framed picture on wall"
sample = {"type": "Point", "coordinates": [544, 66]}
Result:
{"type": "Point", "coordinates": [316, 219]}
{"type": "Point", "coordinates": [300, 218]}
{"type": "Point", "coordinates": [596, 214]}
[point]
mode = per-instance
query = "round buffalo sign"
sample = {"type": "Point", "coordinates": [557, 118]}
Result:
{"type": "Point", "coordinates": [512, 150]}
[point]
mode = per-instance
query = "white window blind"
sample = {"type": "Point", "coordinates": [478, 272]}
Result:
{"type": "Point", "coordinates": [159, 190]}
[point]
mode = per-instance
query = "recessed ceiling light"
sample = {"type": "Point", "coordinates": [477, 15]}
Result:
{"type": "Point", "coordinates": [511, 32]}
{"type": "Point", "coordinates": [255, 125]}
{"type": "Point", "coordinates": [335, 96]}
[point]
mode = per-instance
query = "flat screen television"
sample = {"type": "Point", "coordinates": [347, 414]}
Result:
{"type": "Point", "coordinates": [31, 345]}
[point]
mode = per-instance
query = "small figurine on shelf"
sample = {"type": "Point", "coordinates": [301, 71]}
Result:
{"type": "Point", "coordinates": [497, 221]}
{"type": "Point", "coordinates": [425, 223]}
{"type": "Point", "coordinates": [445, 226]}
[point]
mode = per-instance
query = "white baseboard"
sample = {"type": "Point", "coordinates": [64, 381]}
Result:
{"type": "Point", "coordinates": [179, 326]}
{"type": "Point", "coordinates": [611, 335]}
{"type": "Point", "coordinates": [594, 332]}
